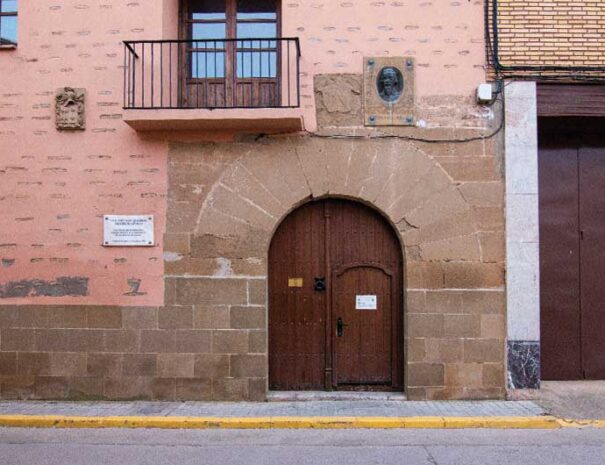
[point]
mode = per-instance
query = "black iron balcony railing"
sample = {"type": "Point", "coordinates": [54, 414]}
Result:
{"type": "Point", "coordinates": [217, 73]}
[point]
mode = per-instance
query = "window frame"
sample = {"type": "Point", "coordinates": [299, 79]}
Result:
{"type": "Point", "coordinates": [3, 14]}
{"type": "Point", "coordinates": [230, 20]}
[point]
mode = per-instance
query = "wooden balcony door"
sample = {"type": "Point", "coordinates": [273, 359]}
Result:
{"type": "Point", "coordinates": [232, 57]}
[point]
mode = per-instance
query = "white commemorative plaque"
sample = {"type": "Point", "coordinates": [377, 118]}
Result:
{"type": "Point", "coordinates": [366, 302]}
{"type": "Point", "coordinates": [128, 231]}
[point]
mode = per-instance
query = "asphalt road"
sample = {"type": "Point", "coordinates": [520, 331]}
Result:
{"type": "Point", "coordinates": [313, 447]}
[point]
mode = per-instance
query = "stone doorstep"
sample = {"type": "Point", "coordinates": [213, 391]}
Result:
{"type": "Point", "coordinates": [308, 396]}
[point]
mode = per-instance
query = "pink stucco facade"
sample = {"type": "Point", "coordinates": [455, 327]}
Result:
{"type": "Point", "coordinates": [55, 186]}
{"type": "Point", "coordinates": [190, 318]}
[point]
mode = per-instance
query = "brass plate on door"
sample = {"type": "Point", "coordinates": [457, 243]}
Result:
{"type": "Point", "coordinates": [295, 282]}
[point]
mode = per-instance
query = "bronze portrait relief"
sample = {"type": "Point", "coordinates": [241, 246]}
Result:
{"type": "Point", "coordinates": [389, 84]}
{"type": "Point", "coordinates": [388, 91]}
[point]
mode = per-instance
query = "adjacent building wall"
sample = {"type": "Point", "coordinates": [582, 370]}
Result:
{"type": "Point", "coordinates": [555, 41]}
{"type": "Point", "coordinates": [556, 32]}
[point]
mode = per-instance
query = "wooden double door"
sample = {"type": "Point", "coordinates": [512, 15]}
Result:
{"type": "Point", "coordinates": [572, 248]}
{"type": "Point", "coordinates": [335, 300]}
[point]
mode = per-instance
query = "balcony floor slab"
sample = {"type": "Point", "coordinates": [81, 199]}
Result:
{"type": "Point", "coordinates": [241, 120]}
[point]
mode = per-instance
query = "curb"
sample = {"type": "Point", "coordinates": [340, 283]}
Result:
{"type": "Point", "coordinates": [570, 423]}
{"type": "Point", "coordinates": [59, 421]}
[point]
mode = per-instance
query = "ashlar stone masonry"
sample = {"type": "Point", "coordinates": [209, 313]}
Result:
{"type": "Point", "coordinates": [444, 200]}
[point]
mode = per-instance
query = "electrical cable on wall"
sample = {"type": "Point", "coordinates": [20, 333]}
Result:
{"type": "Point", "coordinates": [499, 91]}
{"type": "Point", "coordinates": [410, 138]}
{"type": "Point", "coordinates": [491, 135]}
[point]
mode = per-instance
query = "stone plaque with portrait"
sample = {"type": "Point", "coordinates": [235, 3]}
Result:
{"type": "Point", "coordinates": [389, 91]}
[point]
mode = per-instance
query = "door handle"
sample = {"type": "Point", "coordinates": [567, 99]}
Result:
{"type": "Point", "coordinates": [340, 326]}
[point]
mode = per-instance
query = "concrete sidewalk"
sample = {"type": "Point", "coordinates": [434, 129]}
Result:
{"type": "Point", "coordinates": [377, 413]}
{"type": "Point", "coordinates": [290, 415]}
{"type": "Point", "coordinates": [364, 408]}
{"type": "Point", "coordinates": [569, 399]}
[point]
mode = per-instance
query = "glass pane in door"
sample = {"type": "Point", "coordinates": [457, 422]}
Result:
{"type": "Point", "coordinates": [208, 25]}
{"type": "Point", "coordinates": [257, 9]}
{"type": "Point", "coordinates": [207, 9]}
{"type": "Point", "coordinates": [256, 20]}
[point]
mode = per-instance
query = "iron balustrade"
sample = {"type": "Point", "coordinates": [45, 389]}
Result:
{"type": "Point", "coordinates": [212, 73]}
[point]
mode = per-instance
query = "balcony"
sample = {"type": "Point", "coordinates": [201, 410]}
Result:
{"type": "Point", "coordinates": [243, 85]}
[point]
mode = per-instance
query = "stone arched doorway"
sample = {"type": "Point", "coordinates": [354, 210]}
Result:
{"type": "Point", "coordinates": [335, 300]}
{"type": "Point", "coordinates": [450, 227]}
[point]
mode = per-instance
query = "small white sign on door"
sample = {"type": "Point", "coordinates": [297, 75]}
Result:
{"type": "Point", "coordinates": [128, 231]}
{"type": "Point", "coordinates": [366, 302]}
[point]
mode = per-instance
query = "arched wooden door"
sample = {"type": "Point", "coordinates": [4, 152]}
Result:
{"type": "Point", "coordinates": [335, 300]}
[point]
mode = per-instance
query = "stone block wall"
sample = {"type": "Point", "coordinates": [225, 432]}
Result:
{"type": "Point", "coordinates": [163, 353]}
{"type": "Point", "coordinates": [445, 201]}
{"type": "Point", "coordinates": [230, 315]}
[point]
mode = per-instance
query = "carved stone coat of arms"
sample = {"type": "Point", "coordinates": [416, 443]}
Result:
{"type": "Point", "coordinates": [69, 109]}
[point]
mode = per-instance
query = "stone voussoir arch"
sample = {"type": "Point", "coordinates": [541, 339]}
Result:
{"type": "Point", "coordinates": [399, 180]}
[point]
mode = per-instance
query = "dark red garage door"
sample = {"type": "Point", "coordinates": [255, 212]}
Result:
{"type": "Point", "coordinates": [335, 300]}
{"type": "Point", "coordinates": [572, 248]}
